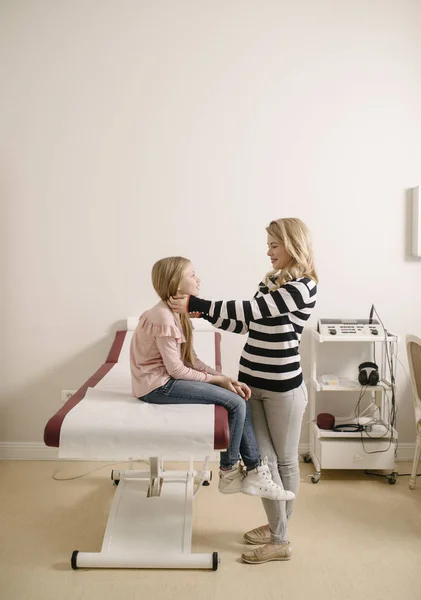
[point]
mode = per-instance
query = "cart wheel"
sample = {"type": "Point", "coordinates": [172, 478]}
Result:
{"type": "Point", "coordinates": [392, 478]}
{"type": "Point", "coordinates": [215, 561]}
{"type": "Point", "coordinates": [315, 478]}
{"type": "Point", "coordinates": [307, 458]}
{"type": "Point", "coordinates": [73, 560]}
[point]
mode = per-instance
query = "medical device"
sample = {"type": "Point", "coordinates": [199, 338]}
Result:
{"type": "Point", "coordinates": [363, 329]}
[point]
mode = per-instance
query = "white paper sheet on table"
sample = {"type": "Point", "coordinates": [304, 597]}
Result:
{"type": "Point", "coordinates": [110, 425]}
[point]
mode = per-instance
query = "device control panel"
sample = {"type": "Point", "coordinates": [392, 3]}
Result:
{"type": "Point", "coordinates": [351, 328]}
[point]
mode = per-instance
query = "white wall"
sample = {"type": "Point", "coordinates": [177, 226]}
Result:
{"type": "Point", "coordinates": [133, 130]}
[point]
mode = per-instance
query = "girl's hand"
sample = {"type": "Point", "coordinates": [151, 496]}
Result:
{"type": "Point", "coordinates": [224, 382]}
{"type": "Point", "coordinates": [232, 385]}
{"type": "Point", "coordinates": [242, 389]}
{"type": "Point", "coordinates": [178, 304]}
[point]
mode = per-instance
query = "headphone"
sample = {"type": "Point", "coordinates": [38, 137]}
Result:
{"type": "Point", "coordinates": [368, 373]}
{"type": "Point", "coordinates": [349, 427]}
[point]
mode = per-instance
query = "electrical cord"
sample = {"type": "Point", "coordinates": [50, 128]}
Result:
{"type": "Point", "coordinates": [392, 412]}
{"type": "Point", "coordinates": [93, 470]}
{"type": "Point", "coordinates": [198, 486]}
{"type": "Point", "coordinates": [366, 427]}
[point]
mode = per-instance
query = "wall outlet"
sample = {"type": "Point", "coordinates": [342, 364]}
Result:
{"type": "Point", "coordinates": [66, 394]}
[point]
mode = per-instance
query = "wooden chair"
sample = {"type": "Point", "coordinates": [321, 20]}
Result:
{"type": "Point", "coordinates": [413, 348]}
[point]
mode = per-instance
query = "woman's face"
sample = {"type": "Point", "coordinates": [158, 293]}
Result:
{"type": "Point", "coordinates": [189, 283]}
{"type": "Point", "coordinates": [279, 257]}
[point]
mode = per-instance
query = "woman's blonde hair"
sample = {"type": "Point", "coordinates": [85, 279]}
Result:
{"type": "Point", "coordinates": [295, 237]}
{"type": "Point", "coordinates": [166, 278]}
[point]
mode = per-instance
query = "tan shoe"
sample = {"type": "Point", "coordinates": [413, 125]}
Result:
{"type": "Point", "coordinates": [260, 535]}
{"type": "Point", "coordinates": [267, 553]}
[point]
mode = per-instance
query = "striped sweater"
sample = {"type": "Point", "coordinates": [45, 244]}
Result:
{"type": "Point", "coordinates": [274, 320]}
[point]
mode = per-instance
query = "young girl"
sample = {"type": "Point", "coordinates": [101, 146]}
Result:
{"type": "Point", "coordinates": [270, 364]}
{"type": "Point", "coordinates": [166, 370]}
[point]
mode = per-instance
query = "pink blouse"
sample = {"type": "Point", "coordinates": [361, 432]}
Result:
{"type": "Point", "coordinates": [155, 352]}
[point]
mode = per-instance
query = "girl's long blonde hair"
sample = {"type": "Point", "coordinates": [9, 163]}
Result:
{"type": "Point", "coordinates": [295, 237]}
{"type": "Point", "coordinates": [166, 277]}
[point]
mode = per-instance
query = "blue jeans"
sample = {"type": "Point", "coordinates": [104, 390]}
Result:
{"type": "Point", "coordinates": [242, 439]}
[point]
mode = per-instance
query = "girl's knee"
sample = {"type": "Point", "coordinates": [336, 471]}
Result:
{"type": "Point", "coordinates": [236, 405]}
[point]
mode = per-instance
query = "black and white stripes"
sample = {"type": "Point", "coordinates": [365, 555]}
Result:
{"type": "Point", "coordinates": [274, 320]}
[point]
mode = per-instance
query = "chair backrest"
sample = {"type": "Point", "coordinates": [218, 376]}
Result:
{"type": "Point", "coordinates": [413, 349]}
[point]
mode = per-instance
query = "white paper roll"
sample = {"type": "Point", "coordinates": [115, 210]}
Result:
{"type": "Point", "coordinates": [132, 323]}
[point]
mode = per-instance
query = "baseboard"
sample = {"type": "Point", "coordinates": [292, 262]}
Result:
{"type": "Point", "coordinates": [38, 451]}
{"type": "Point", "coordinates": [405, 452]}
{"type": "Point", "coordinates": [27, 451]}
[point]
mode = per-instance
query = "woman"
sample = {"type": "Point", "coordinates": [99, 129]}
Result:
{"type": "Point", "coordinates": [166, 370]}
{"type": "Point", "coordinates": [271, 365]}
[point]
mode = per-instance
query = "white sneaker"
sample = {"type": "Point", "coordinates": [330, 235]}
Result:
{"type": "Point", "coordinates": [231, 482]}
{"type": "Point", "coordinates": [259, 482]}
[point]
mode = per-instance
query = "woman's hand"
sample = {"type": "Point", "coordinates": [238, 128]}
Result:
{"type": "Point", "coordinates": [178, 304]}
{"type": "Point", "coordinates": [242, 389]}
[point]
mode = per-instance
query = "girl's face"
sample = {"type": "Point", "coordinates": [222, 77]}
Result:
{"type": "Point", "coordinates": [279, 257]}
{"type": "Point", "coordinates": [189, 283]}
